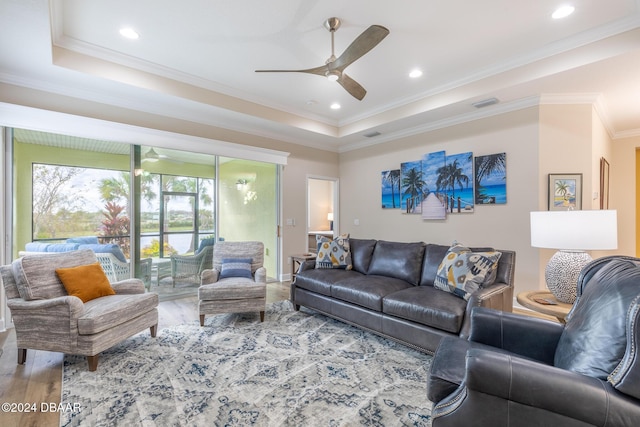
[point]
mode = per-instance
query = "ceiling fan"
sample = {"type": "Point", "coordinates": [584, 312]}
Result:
{"type": "Point", "coordinates": [334, 67]}
{"type": "Point", "coordinates": [152, 156]}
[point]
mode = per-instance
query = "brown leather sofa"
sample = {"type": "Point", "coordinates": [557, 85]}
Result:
{"type": "Point", "coordinates": [389, 291]}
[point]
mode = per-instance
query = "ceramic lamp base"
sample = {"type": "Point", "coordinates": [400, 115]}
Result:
{"type": "Point", "coordinates": [562, 274]}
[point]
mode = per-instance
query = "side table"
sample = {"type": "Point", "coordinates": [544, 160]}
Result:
{"type": "Point", "coordinates": [297, 260]}
{"type": "Point", "coordinates": [530, 300]}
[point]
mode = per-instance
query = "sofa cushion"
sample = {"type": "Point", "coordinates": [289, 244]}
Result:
{"type": "Point", "coordinates": [594, 339]}
{"type": "Point", "coordinates": [36, 276]}
{"type": "Point", "coordinates": [433, 255]}
{"type": "Point", "coordinates": [427, 306]}
{"type": "Point", "coordinates": [104, 313]}
{"type": "Point", "coordinates": [86, 282]}
{"type": "Point", "coordinates": [399, 260]}
{"type": "Point", "coordinates": [334, 253]}
{"type": "Point", "coordinates": [320, 281]}
{"type": "Point", "coordinates": [361, 253]}
{"type": "Point", "coordinates": [462, 272]}
{"type": "Point", "coordinates": [237, 288]}
{"type": "Point", "coordinates": [367, 291]}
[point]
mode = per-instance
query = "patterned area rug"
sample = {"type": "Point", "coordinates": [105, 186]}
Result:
{"type": "Point", "coordinates": [295, 369]}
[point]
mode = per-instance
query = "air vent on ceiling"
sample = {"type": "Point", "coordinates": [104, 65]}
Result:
{"type": "Point", "coordinates": [485, 102]}
{"type": "Point", "coordinates": [372, 134]}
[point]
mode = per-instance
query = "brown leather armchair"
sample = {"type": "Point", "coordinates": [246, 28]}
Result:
{"type": "Point", "coordinates": [521, 371]}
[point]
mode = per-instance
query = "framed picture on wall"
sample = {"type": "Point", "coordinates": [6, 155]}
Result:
{"type": "Point", "coordinates": [565, 191]}
{"type": "Point", "coordinates": [604, 183]}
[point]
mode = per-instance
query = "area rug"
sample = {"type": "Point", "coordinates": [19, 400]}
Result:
{"type": "Point", "coordinates": [295, 369]}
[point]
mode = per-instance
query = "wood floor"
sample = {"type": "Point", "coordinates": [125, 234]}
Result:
{"type": "Point", "coordinates": [39, 380]}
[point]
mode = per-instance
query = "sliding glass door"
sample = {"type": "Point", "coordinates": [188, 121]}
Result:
{"type": "Point", "coordinates": [149, 202]}
{"type": "Point", "coordinates": [248, 205]}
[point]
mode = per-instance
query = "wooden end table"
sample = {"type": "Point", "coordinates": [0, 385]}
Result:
{"type": "Point", "coordinates": [297, 260]}
{"type": "Point", "coordinates": [530, 300]}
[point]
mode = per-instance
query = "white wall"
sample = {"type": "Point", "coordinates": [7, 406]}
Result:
{"type": "Point", "coordinates": [501, 226]}
{"type": "Point", "coordinates": [538, 141]}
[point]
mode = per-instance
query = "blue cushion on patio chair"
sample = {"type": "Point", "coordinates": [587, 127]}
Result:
{"type": "Point", "coordinates": [107, 248]}
{"type": "Point", "coordinates": [209, 241]}
{"type": "Point", "coordinates": [84, 240]}
{"type": "Point", "coordinates": [36, 247]}
{"type": "Point", "coordinates": [62, 247]}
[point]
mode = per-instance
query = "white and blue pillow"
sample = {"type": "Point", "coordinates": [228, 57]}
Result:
{"type": "Point", "coordinates": [236, 267]}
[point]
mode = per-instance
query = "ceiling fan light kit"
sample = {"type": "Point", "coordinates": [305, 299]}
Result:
{"type": "Point", "coordinates": [151, 156]}
{"type": "Point", "coordinates": [332, 75]}
{"type": "Point", "coordinates": [334, 67]}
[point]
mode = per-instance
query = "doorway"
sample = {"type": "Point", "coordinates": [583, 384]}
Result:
{"type": "Point", "coordinates": [323, 213]}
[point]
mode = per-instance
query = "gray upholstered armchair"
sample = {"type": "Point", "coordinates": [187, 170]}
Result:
{"type": "Point", "coordinates": [521, 371]}
{"type": "Point", "coordinates": [237, 283]}
{"type": "Point", "coordinates": [47, 318]}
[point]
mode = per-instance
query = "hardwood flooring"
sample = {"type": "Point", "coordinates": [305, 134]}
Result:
{"type": "Point", "coordinates": [39, 380]}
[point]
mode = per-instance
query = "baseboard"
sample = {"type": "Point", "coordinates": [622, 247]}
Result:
{"type": "Point", "coordinates": [285, 277]}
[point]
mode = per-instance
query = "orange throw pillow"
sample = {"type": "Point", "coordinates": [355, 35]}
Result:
{"type": "Point", "coordinates": [86, 282]}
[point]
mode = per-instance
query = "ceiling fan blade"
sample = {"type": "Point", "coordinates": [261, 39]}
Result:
{"type": "Point", "coordinates": [352, 86]}
{"type": "Point", "coordinates": [321, 71]}
{"type": "Point", "coordinates": [360, 46]}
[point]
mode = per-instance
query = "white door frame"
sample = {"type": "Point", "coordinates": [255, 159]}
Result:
{"type": "Point", "coordinates": [336, 204]}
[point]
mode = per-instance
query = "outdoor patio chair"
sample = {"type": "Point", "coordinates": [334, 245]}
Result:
{"type": "Point", "coordinates": [190, 267]}
{"type": "Point", "coordinates": [117, 270]}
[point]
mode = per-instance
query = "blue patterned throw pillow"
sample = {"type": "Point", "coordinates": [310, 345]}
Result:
{"type": "Point", "coordinates": [462, 272]}
{"type": "Point", "coordinates": [236, 267]}
{"type": "Point", "coordinates": [334, 253]}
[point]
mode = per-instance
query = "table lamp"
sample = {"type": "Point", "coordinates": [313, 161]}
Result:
{"type": "Point", "coordinates": [330, 219]}
{"type": "Point", "coordinates": [572, 232]}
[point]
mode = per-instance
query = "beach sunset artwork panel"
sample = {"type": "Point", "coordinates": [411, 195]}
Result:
{"type": "Point", "coordinates": [491, 179]}
{"type": "Point", "coordinates": [390, 186]}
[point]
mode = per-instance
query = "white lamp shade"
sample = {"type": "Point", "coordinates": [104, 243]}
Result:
{"type": "Point", "coordinates": [330, 216]}
{"type": "Point", "coordinates": [575, 230]}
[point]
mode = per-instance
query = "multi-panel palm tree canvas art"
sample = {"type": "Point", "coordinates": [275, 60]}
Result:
{"type": "Point", "coordinates": [391, 189]}
{"type": "Point", "coordinates": [412, 187]}
{"type": "Point", "coordinates": [491, 179]}
{"type": "Point", "coordinates": [441, 184]}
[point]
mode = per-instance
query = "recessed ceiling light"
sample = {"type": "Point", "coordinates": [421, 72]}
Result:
{"type": "Point", "coordinates": [414, 74]}
{"type": "Point", "coordinates": [129, 33]}
{"type": "Point", "coordinates": [563, 12]}
{"type": "Point", "coordinates": [335, 106]}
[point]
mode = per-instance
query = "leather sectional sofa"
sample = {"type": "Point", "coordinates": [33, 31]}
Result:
{"type": "Point", "coordinates": [390, 291]}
